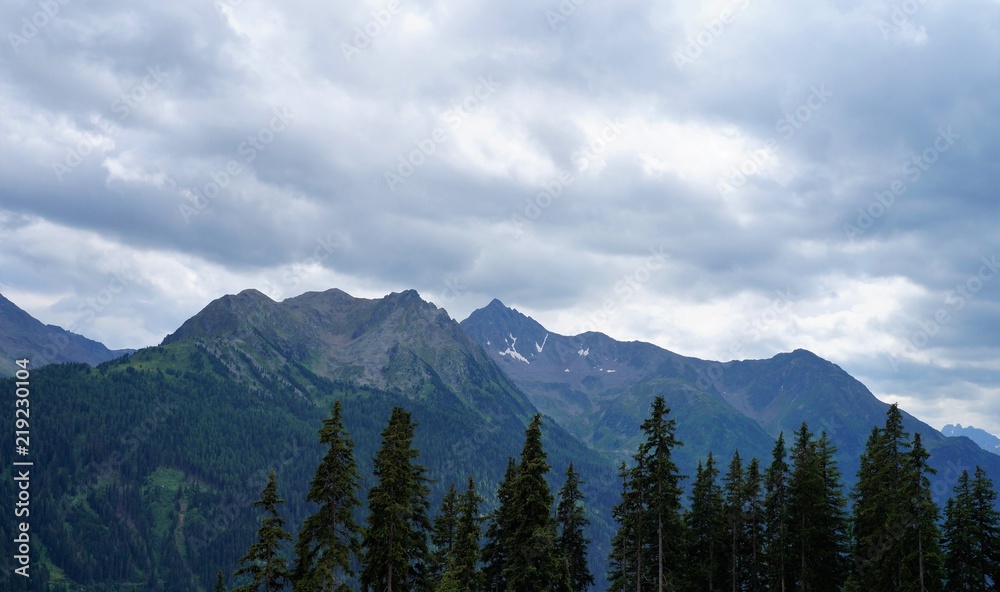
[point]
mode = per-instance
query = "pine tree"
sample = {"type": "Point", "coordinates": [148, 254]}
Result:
{"type": "Point", "coordinates": [777, 543]}
{"type": "Point", "coordinates": [707, 542]}
{"type": "Point", "coordinates": [263, 561]}
{"type": "Point", "coordinates": [624, 565]}
{"type": "Point", "coordinates": [330, 537]}
{"type": "Point", "coordinates": [395, 542]}
{"type": "Point", "coordinates": [499, 533]}
{"type": "Point", "coordinates": [443, 535]}
{"type": "Point", "coordinates": [572, 544]}
{"type": "Point", "coordinates": [220, 585]}
{"type": "Point", "coordinates": [987, 528]}
{"type": "Point", "coordinates": [531, 563]}
{"type": "Point", "coordinates": [462, 567]}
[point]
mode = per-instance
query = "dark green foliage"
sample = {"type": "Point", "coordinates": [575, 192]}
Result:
{"type": "Point", "coordinates": [817, 520]}
{"type": "Point", "coordinates": [499, 531]}
{"type": "Point", "coordinates": [220, 585]}
{"type": "Point", "coordinates": [395, 541]}
{"type": "Point", "coordinates": [462, 566]}
{"type": "Point", "coordinates": [531, 563]}
{"type": "Point", "coordinates": [264, 562]}
{"type": "Point", "coordinates": [707, 544]}
{"type": "Point", "coordinates": [971, 536]}
{"type": "Point", "coordinates": [572, 543]}
{"type": "Point", "coordinates": [330, 537]}
{"type": "Point", "coordinates": [778, 551]}
{"type": "Point", "coordinates": [443, 536]}
{"type": "Point", "coordinates": [923, 562]}
{"type": "Point", "coordinates": [648, 550]}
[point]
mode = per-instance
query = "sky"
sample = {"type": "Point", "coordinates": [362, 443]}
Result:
{"type": "Point", "coordinates": [725, 179]}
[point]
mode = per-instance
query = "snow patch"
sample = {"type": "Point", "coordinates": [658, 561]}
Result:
{"type": "Point", "coordinates": [512, 350]}
{"type": "Point", "coordinates": [584, 352]}
{"type": "Point", "coordinates": [611, 371]}
{"type": "Point", "coordinates": [566, 370]}
{"type": "Point", "coordinates": [542, 346]}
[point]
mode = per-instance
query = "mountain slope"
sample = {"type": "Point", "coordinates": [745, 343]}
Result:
{"type": "Point", "coordinates": [152, 460]}
{"type": "Point", "coordinates": [23, 336]}
{"type": "Point", "coordinates": [600, 389]}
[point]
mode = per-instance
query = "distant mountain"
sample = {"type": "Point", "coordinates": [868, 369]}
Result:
{"type": "Point", "coordinates": [152, 460]}
{"type": "Point", "coordinates": [600, 390]}
{"type": "Point", "coordinates": [984, 439]}
{"type": "Point", "coordinates": [23, 336]}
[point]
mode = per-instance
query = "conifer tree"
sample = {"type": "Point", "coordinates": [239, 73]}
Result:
{"type": "Point", "coordinates": [572, 544]}
{"type": "Point", "coordinates": [624, 561]}
{"type": "Point", "coordinates": [498, 533]}
{"type": "Point", "coordinates": [531, 563]}
{"type": "Point", "coordinates": [443, 535]}
{"type": "Point", "coordinates": [922, 561]}
{"type": "Point", "coordinates": [777, 543]}
{"type": "Point", "coordinates": [734, 512]}
{"type": "Point", "coordinates": [971, 536]}
{"type": "Point", "coordinates": [659, 481]}
{"type": "Point", "coordinates": [395, 542]}
{"type": "Point", "coordinates": [330, 537]}
{"type": "Point", "coordinates": [817, 522]}
{"type": "Point", "coordinates": [220, 585]}
{"type": "Point", "coordinates": [462, 567]}
{"type": "Point", "coordinates": [263, 561]}
{"type": "Point", "coordinates": [754, 573]}
{"type": "Point", "coordinates": [707, 543]}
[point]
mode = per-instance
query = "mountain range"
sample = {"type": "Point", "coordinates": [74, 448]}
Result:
{"type": "Point", "coordinates": [162, 450]}
{"type": "Point", "coordinates": [986, 440]}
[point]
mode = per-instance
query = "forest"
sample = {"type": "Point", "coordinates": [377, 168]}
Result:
{"type": "Point", "coordinates": [788, 526]}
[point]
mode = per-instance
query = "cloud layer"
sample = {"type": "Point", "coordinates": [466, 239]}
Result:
{"type": "Point", "coordinates": [725, 179]}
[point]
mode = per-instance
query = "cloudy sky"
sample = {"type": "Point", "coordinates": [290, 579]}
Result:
{"type": "Point", "coordinates": [725, 179]}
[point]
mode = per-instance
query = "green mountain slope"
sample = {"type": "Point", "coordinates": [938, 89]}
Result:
{"type": "Point", "coordinates": [148, 464]}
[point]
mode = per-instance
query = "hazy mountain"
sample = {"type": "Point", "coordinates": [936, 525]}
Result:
{"type": "Point", "coordinates": [984, 439]}
{"type": "Point", "coordinates": [600, 389]}
{"type": "Point", "coordinates": [23, 336]}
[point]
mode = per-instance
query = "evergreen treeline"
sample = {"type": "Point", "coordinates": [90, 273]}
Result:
{"type": "Point", "coordinates": [785, 527]}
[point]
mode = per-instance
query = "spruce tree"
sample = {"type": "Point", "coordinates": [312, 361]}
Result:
{"type": "Point", "coordinates": [963, 559]}
{"type": "Point", "coordinates": [395, 542]}
{"type": "Point", "coordinates": [624, 561]}
{"type": "Point", "coordinates": [498, 533]}
{"type": "Point", "coordinates": [263, 561]}
{"type": "Point", "coordinates": [220, 585]}
{"type": "Point", "coordinates": [707, 544]}
{"type": "Point", "coordinates": [531, 563]}
{"type": "Point", "coordinates": [330, 537]}
{"type": "Point", "coordinates": [734, 508]}
{"type": "Point", "coordinates": [987, 528]}
{"type": "Point", "coordinates": [658, 480]}
{"type": "Point", "coordinates": [572, 544]}
{"type": "Point", "coordinates": [754, 572]}
{"type": "Point", "coordinates": [443, 535]}
{"type": "Point", "coordinates": [462, 567]}
{"type": "Point", "coordinates": [777, 543]}
{"type": "Point", "coordinates": [922, 561]}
